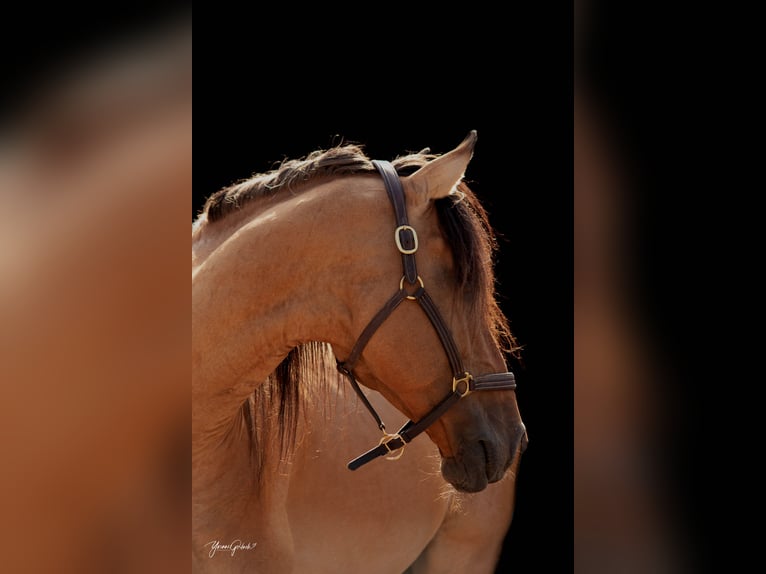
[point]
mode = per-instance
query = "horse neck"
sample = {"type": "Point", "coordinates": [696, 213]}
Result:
{"type": "Point", "coordinates": [282, 278]}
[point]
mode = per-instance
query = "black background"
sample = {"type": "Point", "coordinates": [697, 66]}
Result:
{"type": "Point", "coordinates": [399, 83]}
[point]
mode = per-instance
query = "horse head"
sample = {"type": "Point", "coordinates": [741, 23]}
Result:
{"type": "Point", "coordinates": [430, 360]}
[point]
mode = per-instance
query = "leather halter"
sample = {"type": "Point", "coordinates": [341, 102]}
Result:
{"type": "Point", "coordinates": [463, 383]}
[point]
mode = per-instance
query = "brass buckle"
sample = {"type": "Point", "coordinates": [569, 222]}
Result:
{"type": "Point", "coordinates": [401, 287]}
{"type": "Point", "coordinates": [398, 239]}
{"type": "Point", "coordinates": [466, 378]}
{"type": "Point", "coordinates": [386, 438]}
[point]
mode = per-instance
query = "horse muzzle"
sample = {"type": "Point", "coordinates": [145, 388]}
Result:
{"type": "Point", "coordinates": [482, 462]}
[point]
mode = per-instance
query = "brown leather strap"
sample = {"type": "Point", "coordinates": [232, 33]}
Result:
{"type": "Point", "coordinates": [424, 299]}
{"type": "Point", "coordinates": [347, 367]}
{"type": "Point", "coordinates": [408, 432]}
{"type": "Point", "coordinates": [494, 381]}
{"type": "Point", "coordinates": [360, 393]}
{"type": "Point", "coordinates": [406, 234]}
{"type": "Point", "coordinates": [443, 331]}
{"type": "Point", "coordinates": [371, 327]}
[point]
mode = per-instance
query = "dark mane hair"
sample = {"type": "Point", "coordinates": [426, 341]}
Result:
{"type": "Point", "coordinates": [466, 227]}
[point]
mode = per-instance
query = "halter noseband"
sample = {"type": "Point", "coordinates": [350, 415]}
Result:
{"type": "Point", "coordinates": [463, 383]}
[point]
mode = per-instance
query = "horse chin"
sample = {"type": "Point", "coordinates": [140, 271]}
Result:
{"type": "Point", "coordinates": [465, 473]}
{"type": "Point", "coordinates": [475, 468]}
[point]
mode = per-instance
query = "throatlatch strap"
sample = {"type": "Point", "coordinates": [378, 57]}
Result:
{"type": "Point", "coordinates": [360, 393]}
{"type": "Point", "coordinates": [371, 327]}
{"type": "Point", "coordinates": [347, 367]}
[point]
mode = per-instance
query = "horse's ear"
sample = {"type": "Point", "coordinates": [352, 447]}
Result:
{"type": "Point", "coordinates": [439, 177]}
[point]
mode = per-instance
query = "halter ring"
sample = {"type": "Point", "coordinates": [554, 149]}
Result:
{"type": "Point", "coordinates": [401, 287]}
{"type": "Point", "coordinates": [466, 378]}
{"type": "Point", "coordinates": [386, 438]}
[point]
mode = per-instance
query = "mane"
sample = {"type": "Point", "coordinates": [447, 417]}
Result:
{"type": "Point", "coordinates": [275, 405]}
{"type": "Point", "coordinates": [338, 161]}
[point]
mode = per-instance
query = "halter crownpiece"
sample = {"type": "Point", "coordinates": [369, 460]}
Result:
{"type": "Point", "coordinates": [463, 383]}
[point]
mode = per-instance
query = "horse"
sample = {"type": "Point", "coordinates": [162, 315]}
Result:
{"type": "Point", "coordinates": [303, 282]}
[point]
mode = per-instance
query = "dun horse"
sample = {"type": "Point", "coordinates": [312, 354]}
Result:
{"type": "Point", "coordinates": [330, 271]}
